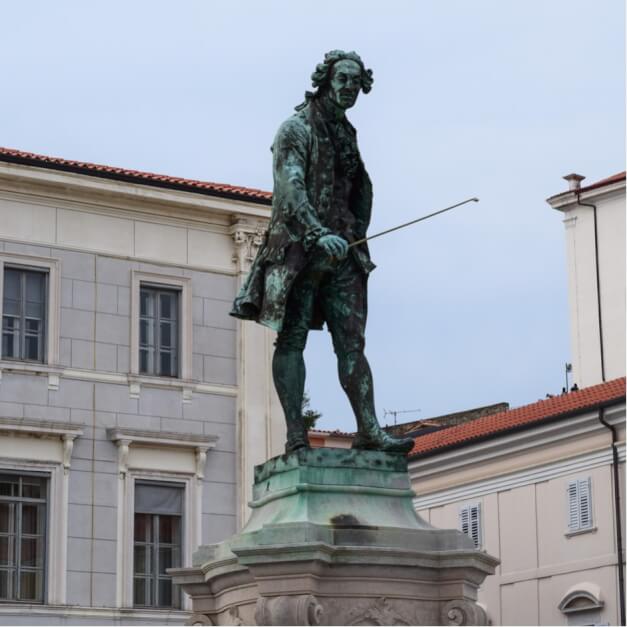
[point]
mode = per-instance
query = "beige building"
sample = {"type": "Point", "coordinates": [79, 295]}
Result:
{"type": "Point", "coordinates": [534, 486]}
{"type": "Point", "coordinates": [542, 486]}
{"type": "Point", "coordinates": [133, 408]}
{"type": "Point", "coordinates": [594, 219]}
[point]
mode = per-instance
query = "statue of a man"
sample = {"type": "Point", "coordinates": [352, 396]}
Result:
{"type": "Point", "coordinates": [305, 274]}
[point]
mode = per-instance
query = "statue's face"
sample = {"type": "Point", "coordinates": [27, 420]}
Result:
{"type": "Point", "coordinates": [345, 83]}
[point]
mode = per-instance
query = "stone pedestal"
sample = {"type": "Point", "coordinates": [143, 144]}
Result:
{"type": "Point", "coordinates": [333, 539]}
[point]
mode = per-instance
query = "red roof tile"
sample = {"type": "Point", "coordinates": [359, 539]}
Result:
{"type": "Point", "coordinates": [145, 178]}
{"type": "Point", "coordinates": [528, 415]}
{"type": "Point", "coordinates": [603, 182]}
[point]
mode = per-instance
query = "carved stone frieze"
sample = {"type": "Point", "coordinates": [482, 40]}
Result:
{"type": "Point", "coordinates": [378, 612]}
{"type": "Point", "coordinates": [302, 609]}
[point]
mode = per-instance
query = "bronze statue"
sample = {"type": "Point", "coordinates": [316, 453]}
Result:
{"type": "Point", "coordinates": [305, 274]}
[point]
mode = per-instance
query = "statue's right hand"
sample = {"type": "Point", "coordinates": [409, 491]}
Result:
{"type": "Point", "coordinates": [333, 245]}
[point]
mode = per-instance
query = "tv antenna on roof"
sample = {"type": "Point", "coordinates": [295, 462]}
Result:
{"type": "Point", "coordinates": [395, 412]}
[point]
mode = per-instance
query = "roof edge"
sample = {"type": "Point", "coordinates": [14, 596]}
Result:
{"type": "Point", "coordinates": [138, 178]}
{"type": "Point", "coordinates": [515, 428]}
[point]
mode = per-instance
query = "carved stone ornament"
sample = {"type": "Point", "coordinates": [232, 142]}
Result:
{"type": "Point", "coordinates": [198, 619]}
{"type": "Point", "coordinates": [301, 609]}
{"type": "Point", "coordinates": [380, 612]}
{"type": "Point", "coordinates": [248, 238]}
{"type": "Point", "coordinates": [463, 612]}
{"type": "Point", "coordinates": [234, 617]}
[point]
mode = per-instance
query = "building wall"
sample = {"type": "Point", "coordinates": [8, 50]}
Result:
{"type": "Point", "coordinates": [524, 517]}
{"type": "Point", "coordinates": [580, 247]}
{"type": "Point", "coordinates": [100, 235]}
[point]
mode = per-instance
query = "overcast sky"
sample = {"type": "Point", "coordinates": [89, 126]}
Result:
{"type": "Point", "coordinates": [471, 98]}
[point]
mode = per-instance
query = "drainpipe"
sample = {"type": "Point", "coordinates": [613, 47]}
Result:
{"type": "Point", "coordinates": [617, 509]}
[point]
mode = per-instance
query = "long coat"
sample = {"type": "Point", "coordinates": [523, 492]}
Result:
{"type": "Point", "coordinates": [304, 174]}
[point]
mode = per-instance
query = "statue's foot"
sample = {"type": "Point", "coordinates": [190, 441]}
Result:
{"type": "Point", "coordinates": [382, 441]}
{"type": "Point", "coordinates": [296, 441]}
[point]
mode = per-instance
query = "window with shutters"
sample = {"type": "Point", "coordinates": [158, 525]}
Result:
{"type": "Point", "coordinates": [579, 495]}
{"type": "Point", "coordinates": [24, 314]}
{"type": "Point", "coordinates": [470, 522]}
{"type": "Point", "coordinates": [23, 500]}
{"type": "Point", "coordinates": [157, 543]}
{"type": "Point", "coordinates": [158, 331]}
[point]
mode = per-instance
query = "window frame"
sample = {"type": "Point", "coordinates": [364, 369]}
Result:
{"type": "Point", "coordinates": [50, 267]}
{"type": "Point", "coordinates": [154, 576]}
{"type": "Point", "coordinates": [168, 283]}
{"type": "Point", "coordinates": [468, 508]}
{"type": "Point", "coordinates": [20, 500]}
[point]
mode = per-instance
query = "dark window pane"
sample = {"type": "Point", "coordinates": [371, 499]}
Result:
{"type": "Point", "coordinates": [11, 307]}
{"type": "Point", "coordinates": [6, 584]}
{"type": "Point", "coordinates": [141, 591]}
{"type": "Point", "coordinates": [165, 593]}
{"type": "Point", "coordinates": [165, 559]}
{"type": "Point", "coordinates": [169, 529]}
{"type": "Point", "coordinates": [142, 559]}
{"type": "Point", "coordinates": [33, 326]}
{"type": "Point", "coordinates": [143, 528]}
{"type": "Point", "coordinates": [166, 364]}
{"type": "Point", "coordinates": [34, 287]}
{"type": "Point", "coordinates": [166, 308]}
{"type": "Point", "coordinates": [32, 553]}
{"type": "Point", "coordinates": [9, 345]}
{"type": "Point", "coordinates": [7, 517]}
{"type": "Point", "coordinates": [144, 361]}
{"type": "Point", "coordinates": [32, 488]}
{"type": "Point", "coordinates": [31, 586]}
{"type": "Point", "coordinates": [146, 303]}
{"type": "Point", "coordinates": [7, 552]}
{"type": "Point", "coordinates": [145, 333]}
{"type": "Point", "coordinates": [12, 284]}
{"type": "Point", "coordinates": [31, 347]}
{"type": "Point", "coordinates": [32, 519]}
{"type": "Point", "coordinates": [166, 339]}
{"type": "Point", "coordinates": [9, 485]}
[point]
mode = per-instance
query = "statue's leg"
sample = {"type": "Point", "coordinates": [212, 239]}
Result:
{"type": "Point", "coordinates": [344, 300]}
{"type": "Point", "coordinates": [288, 364]}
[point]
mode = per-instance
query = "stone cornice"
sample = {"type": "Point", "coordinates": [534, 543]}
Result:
{"type": "Point", "coordinates": [565, 200]}
{"type": "Point", "coordinates": [127, 195]}
{"type": "Point", "coordinates": [162, 438]}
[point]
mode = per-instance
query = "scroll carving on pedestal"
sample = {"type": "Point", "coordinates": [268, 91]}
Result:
{"type": "Point", "coordinates": [302, 609]}
{"type": "Point", "coordinates": [463, 612]}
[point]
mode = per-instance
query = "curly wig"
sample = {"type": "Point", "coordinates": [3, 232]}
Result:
{"type": "Point", "coordinates": [322, 75]}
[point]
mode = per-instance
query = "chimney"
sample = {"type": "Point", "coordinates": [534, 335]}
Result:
{"type": "Point", "coordinates": [574, 181]}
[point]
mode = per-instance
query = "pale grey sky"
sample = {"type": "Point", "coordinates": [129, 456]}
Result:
{"type": "Point", "coordinates": [471, 98]}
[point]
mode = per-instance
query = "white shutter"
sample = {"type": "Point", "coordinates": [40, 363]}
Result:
{"type": "Point", "coordinates": [585, 503]}
{"type": "Point", "coordinates": [464, 519]}
{"type": "Point", "coordinates": [573, 509]}
{"type": "Point", "coordinates": [475, 524]}
{"type": "Point", "coordinates": [579, 504]}
{"type": "Point", "coordinates": [470, 522]}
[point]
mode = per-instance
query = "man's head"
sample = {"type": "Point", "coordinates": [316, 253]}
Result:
{"type": "Point", "coordinates": [341, 76]}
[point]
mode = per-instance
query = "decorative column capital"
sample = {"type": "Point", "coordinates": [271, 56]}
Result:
{"type": "Point", "coordinates": [248, 237]}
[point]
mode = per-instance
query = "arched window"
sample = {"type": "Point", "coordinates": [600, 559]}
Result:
{"type": "Point", "coordinates": [582, 604]}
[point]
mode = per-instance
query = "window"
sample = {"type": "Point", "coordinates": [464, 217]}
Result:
{"type": "Point", "coordinates": [158, 331]}
{"type": "Point", "coordinates": [24, 314]}
{"type": "Point", "coordinates": [22, 537]}
{"type": "Point", "coordinates": [470, 522]}
{"type": "Point", "coordinates": [579, 494]}
{"type": "Point", "coordinates": [157, 543]}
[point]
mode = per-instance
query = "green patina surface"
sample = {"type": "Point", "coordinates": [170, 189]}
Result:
{"type": "Point", "coordinates": [304, 274]}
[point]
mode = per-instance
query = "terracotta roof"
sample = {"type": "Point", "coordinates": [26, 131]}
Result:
{"type": "Point", "coordinates": [521, 417]}
{"type": "Point", "coordinates": [135, 176]}
{"type": "Point", "coordinates": [334, 433]}
{"type": "Point", "coordinates": [603, 182]}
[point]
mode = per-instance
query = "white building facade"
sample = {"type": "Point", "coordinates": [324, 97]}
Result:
{"type": "Point", "coordinates": [594, 219]}
{"type": "Point", "coordinates": [132, 406]}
